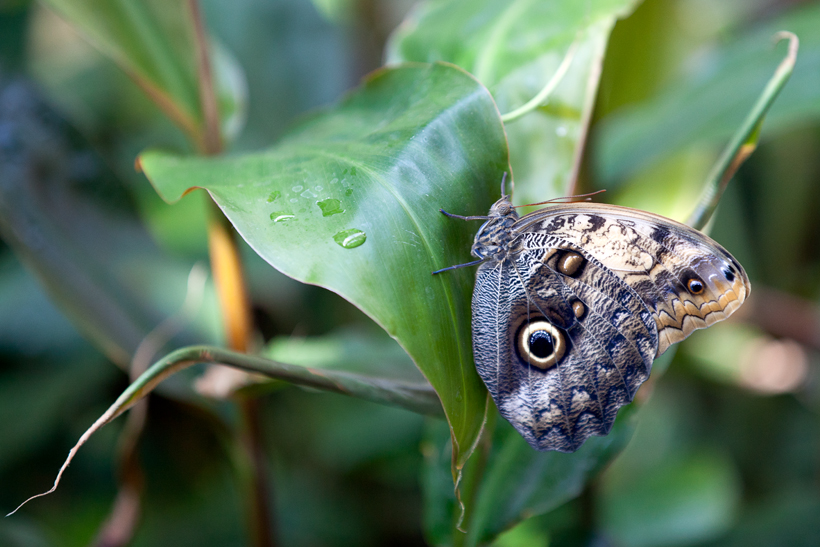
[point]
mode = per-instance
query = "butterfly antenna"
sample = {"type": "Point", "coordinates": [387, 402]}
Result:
{"type": "Point", "coordinates": [565, 199]}
{"type": "Point", "coordinates": [448, 268]}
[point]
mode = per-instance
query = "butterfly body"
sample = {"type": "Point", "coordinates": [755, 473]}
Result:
{"type": "Point", "coordinates": [573, 302]}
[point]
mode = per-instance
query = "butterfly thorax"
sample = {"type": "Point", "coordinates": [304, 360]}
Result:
{"type": "Point", "coordinates": [493, 238]}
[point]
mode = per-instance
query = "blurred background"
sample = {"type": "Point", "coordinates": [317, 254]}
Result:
{"type": "Point", "coordinates": [727, 448]}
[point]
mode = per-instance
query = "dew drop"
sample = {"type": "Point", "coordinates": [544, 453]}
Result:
{"type": "Point", "coordinates": [308, 194]}
{"type": "Point", "coordinates": [561, 131]}
{"type": "Point", "coordinates": [318, 187]}
{"type": "Point", "coordinates": [298, 188]}
{"type": "Point", "coordinates": [276, 194]}
{"type": "Point", "coordinates": [280, 216]}
{"type": "Point", "coordinates": [294, 200]}
{"type": "Point", "coordinates": [334, 181]}
{"type": "Point", "coordinates": [350, 239]}
{"type": "Point", "coordinates": [330, 207]}
{"type": "Point", "coordinates": [349, 192]}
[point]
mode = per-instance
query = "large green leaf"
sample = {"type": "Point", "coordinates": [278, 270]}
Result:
{"type": "Point", "coordinates": [154, 41]}
{"type": "Point", "coordinates": [514, 48]}
{"type": "Point", "coordinates": [349, 201]}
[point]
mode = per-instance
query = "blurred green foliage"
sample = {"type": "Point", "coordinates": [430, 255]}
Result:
{"type": "Point", "coordinates": [726, 450]}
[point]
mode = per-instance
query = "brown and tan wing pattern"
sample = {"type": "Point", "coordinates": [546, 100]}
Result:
{"type": "Point", "coordinates": [608, 338]}
{"type": "Point", "coordinates": [687, 280]}
{"type": "Point", "coordinates": [575, 301]}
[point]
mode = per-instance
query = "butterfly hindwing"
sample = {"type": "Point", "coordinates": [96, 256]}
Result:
{"type": "Point", "coordinates": [608, 335]}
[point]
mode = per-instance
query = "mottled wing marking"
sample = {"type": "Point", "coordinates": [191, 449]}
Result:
{"type": "Point", "coordinates": [611, 348]}
{"type": "Point", "coordinates": [653, 255]}
{"type": "Point", "coordinates": [618, 285]}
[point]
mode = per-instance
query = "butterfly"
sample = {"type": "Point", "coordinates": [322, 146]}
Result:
{"type": "Point", "coordinates": [572, 303]}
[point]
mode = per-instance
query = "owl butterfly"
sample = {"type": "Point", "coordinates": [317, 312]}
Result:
{"type": "Point", "coordinates": [573, 302]}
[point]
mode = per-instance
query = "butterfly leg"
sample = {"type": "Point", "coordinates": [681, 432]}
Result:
{"type": "Point", "coordinates": [451, 215]}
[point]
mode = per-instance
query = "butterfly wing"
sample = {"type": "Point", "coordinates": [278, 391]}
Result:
{"type": "Point", "coordinates": [566, 327]}
{"type": "Point", "coordinates": [686, 279]}
{"type": "Point", "coordinates": [608, 338]}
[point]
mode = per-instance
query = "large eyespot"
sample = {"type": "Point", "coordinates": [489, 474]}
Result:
{"type": "Point", "coordinates": [694, 285]}
{"type": "Point", "coordinates": [570, 263]}
{"type": "Point", "coordinates": [541, 344]}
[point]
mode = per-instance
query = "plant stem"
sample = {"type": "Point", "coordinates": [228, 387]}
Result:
{"type": "Point", "coordinates": [235, 305]}
{"type": "Point", "coordinates": [260, 505]}
{"type": "Point", "coordinates": [212, 138]}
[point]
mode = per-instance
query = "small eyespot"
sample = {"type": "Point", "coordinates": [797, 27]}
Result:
{"type": "Point", "coordinates": [540, 344]}
{"type": "Point", "coordinates": [579, 309]}
{"type": "Point", "coordinates": [695, 286]}
{"type": "Point", "coordinates": [570, 263]}
{"type": "Point", "coordinates": [728, 274]}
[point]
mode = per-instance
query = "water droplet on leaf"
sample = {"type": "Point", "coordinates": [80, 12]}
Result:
{"type": "Point", "coordinates": [279, 216]}
{"type": "Point", "coordinates": [274, 196]}
{"type": "Point", "coordinates": [330, 207]}
{"type": "Point", "coordinates": [350, 239]}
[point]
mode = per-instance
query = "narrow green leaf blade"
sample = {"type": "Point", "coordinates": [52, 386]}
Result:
{"type": "Point", "coordinates": [744, 140]}
{"type": "Point", "coordinates": [154, 42]}
{"type": "Point", "coordinates": [708, 103]}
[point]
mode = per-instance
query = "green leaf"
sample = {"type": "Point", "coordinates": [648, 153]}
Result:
{"type": "Point", "coordinates": [514, 48]}
{"type": "Point", "coordinates": [373, 354]}
{"type": "Point", "coordinates": [337, 11]}
{"type": "Point", "coordinates": [708, 104]}
{"type": "Point", "coordinates": [518, 482]}
{"type": "Point", "coordinates": [350, 201]}
{"type": "Point", "coordinates": [676, 503]}
{"type": "Point", "coordinates": [154, 42]}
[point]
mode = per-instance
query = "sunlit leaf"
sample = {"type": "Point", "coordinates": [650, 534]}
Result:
{"type": "Point", "coordinates": [514, 48]}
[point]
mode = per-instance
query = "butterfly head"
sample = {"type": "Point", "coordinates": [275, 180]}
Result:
{"type": "Point", "coordinates": [493, 238]}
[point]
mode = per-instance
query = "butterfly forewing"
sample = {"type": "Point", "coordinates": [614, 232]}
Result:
{"type": "Point", "coordinates": [659, 258]}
